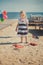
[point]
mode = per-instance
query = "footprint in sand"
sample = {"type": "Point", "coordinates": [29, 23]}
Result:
{"type": "Point", "coordinates": [21, 61]}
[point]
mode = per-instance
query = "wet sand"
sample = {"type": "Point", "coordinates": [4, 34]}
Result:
{"type": "Point", "coordinates": [28, 55]}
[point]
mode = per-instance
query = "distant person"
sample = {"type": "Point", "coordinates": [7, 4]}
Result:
{"type": "Point", "coordinates": [22, 26]}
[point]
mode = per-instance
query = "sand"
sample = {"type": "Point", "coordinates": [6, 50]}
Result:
{"type": "Point", "coordinates": [28, 55]}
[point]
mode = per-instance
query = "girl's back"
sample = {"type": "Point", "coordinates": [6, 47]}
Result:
{"type": "Point", "coordinates": [22, 26]}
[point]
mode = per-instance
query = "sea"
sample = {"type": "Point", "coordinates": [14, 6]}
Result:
{"type": "Point", "coordinates": [16, 15]}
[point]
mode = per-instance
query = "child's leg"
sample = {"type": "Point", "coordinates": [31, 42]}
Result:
{"type": "Point", "coordinates": [26, 39]}
{"type": "Point", "coordinates": [21, 39]}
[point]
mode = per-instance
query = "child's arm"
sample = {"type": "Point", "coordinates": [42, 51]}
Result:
{"type": "Point", "coordinates": [16, 27]}
{"type": "Point", "coordinates": [27, 23]}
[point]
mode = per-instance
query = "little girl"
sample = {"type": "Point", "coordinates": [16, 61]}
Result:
{"type": "Point", "coordinates": [22, 26]}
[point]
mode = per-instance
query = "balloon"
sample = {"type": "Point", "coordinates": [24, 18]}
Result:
{"type": "Point", "coordinates": [4, 13]}
{"type": "Point", "coordinates": [1, 16]}
{"type": "Point", "coordinates": [2, 19]}
{"type": "Point", "coordinates": [5, 17]}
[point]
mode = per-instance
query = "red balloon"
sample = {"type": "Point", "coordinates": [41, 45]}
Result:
{"type": "Point", "coordinates": [5, 17]}
{"type": "Point", "coordinates": [4, 13]}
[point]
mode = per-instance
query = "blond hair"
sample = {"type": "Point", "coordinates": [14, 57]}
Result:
{"type": "Point", "coordinates": [23, 13]}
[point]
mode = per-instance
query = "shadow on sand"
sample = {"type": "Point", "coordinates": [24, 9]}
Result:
{"type": "Point", "coordinates": [5, 37]}
{"type": "Point", "coordinates": [36, 32]}
{"type": "Point", "coordinates": [8, 43]}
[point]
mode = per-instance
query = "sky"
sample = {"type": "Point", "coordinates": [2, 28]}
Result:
{"type": "Point", "coordinates": [18, 5]}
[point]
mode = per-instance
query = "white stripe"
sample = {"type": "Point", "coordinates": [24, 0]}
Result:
{"type": "Point", "coordinates": [22, 23]}
{"type": "Point", "coordinates": [22, 27]}
{"type": "Point", "coordinates": [22, 31]}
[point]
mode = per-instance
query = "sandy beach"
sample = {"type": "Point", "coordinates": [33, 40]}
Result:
{"type": "Point", "coordinates": [28, 55]}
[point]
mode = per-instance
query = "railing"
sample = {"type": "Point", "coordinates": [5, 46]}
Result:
{"type": "Point", "coordinates": [36, 21]}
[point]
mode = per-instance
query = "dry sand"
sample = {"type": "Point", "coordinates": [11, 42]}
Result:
{"type": "Point", "coordinates": [28, 55]}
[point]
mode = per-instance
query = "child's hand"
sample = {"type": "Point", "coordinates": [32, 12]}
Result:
{"type": "Point", "coordinates": [16, 30]}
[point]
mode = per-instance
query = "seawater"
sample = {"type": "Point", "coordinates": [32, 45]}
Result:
{"type": "Point", "coordinates": [16, 15]}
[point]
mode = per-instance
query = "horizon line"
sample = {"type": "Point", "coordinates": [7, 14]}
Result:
{"type": "Point", "coordinates": [19, 11]}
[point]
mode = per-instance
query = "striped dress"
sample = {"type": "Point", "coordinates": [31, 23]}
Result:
{"type": "Point", "coordinates": [22, 27]}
